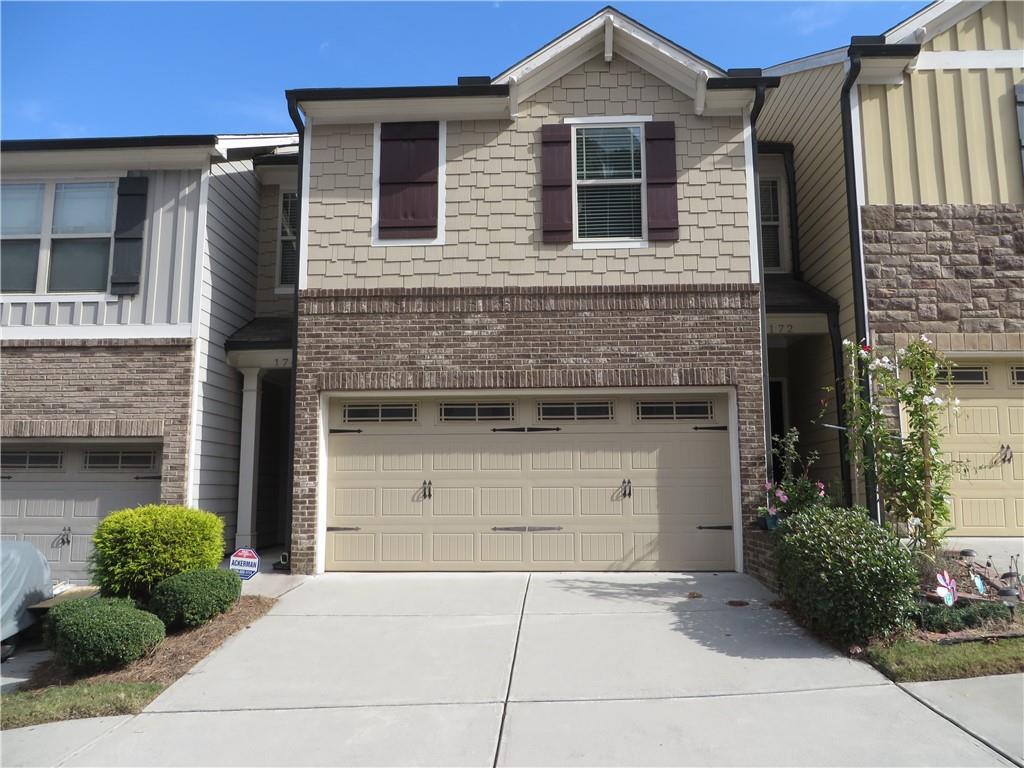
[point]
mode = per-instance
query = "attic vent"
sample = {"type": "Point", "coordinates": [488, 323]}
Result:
{"type": "Point", "coordinates": [474, 80]}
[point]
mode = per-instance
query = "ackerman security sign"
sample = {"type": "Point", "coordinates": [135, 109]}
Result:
{"type": "Point", "coordinates": [245, 562]}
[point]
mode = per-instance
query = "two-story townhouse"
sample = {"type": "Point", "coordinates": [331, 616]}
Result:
{"type": "Point", "coordinates": [529, 327]}
{"type": "Point", "coordinates": [127, 264]}
{"type": "Point", "coordinates": [900, 161]}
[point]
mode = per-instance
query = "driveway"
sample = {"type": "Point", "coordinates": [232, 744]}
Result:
{"type": "Point", "coordinates": [513, 669]}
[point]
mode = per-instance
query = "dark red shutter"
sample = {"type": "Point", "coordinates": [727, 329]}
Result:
{"type": "Point", "coordinates": [407, 205]}
{"type": "Point", "coordinates": [556, 180]}
{"type": "Point", "coordinates": [662, 195]}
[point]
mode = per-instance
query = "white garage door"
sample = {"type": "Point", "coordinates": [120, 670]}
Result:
{"type": "Point", "coordinates": [530, 484]}
{"type": "Point", "coordinates": [988, 434]}
{"type": "Point", "coordinates": [54, 495]}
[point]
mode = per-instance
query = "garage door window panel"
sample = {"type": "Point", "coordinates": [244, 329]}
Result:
{"type": "Point", "coordinates": [1017, 375]}
{"type": "Point", "coordinates": [575, 411]}
{"type": "Point", "coordinates": [974, 375]}
{"type": "Point", "coordinates": [475, 412]}
{"type": "Point", "coordinates": [119, 461]}
{"type": "Point", "coordinates": [679, 410]}
{"type": "Point", "coordinates": [380, 413]}
{"type": "Point", "coordinates": [25, 460]}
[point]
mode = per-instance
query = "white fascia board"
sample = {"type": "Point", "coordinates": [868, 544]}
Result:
{"type": "Point", "coordinates": [307, 150]}
{"type": "Point", "coordinates": [553, 49]}
{"type": "Point", "coordinates": [284, 176]}
{"type": "Point", "coordinates": [934, 20]}
{"type": "Point", "coordinates": [556, 68]}
{"type": "Point", "coordinates": [883, 71]}
{"type": "Point", "coordinates": [95, 332]}
{"type": "Point", "coordinates": [728, 102]}
{"type": "Point", "coordinates": [823, 59]}
{"type": "Point", "coordinates": [349, 111]}
{"type": "Point", "coordinates": [664, 68]}
{"type": "Point", "coordinates": [226, 143]}
{"type": "Point", "coordinates": [136, 158]}
{"type": "Point", "coordinates": [200, 311]}
{"type": "Point", "coordinates": [1005, 59]}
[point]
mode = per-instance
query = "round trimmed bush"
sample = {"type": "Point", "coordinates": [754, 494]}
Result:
{"type": "Point", "coordinates": [100, 634]}
{"type": "Point", "coordinates": [193, 598]}
{"type": "Point", "coordinates": [69, 607]}
{"type": "Point", "coordinates": [135, 549]}
{"type": "Point", "coordinates": [847, 578]}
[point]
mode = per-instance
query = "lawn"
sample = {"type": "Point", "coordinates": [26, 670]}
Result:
{"type": "Point", "coordinates": [909, 660]}
{"type": "Point", "coordinates": [55, 693]}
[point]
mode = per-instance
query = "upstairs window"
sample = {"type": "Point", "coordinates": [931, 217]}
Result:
{"type": "Point", "coordinates": [773, 191]}
{"type": "Point", "coordinates": [56, 237]}
{"type": "Point", "coordinates": [288, 254]}
{"type": "Point", "coordinates": [609, 182]}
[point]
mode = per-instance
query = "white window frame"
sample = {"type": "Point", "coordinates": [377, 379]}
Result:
{"type": "Point", "coordinates": [442, 157]}
{"type": "Point", "coordinates": [46, 236]}
{"type": "Point", "coordinates": [626, 121]}
{"type": "Point", "coordinates": [773, 168]}
{"type": "Point", "coordinates": [279, 287]}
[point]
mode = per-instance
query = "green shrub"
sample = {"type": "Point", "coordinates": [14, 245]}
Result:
{"type": "Point", "coordinates": [193, 598]}
{"type": "Point", "coordinates": [965, 614]}
{"type": "Point", "coordinates": [135, 549]}
{"type": "Point", "coordinates": [101, 634]}
{"type": "Point", "coordinates": [69, 607]}
{"type": "Point", "coordinates": [846, 577]}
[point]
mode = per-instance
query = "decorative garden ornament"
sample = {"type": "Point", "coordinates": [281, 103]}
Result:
{"type": "Point", "coordinates": [979, 584]}
{"type": "Point", "coordinates": [947, 588]}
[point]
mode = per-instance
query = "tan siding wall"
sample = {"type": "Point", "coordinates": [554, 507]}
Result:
{"type": "Point", "coordinates": [493, 216]}
{"type": "Point", "coordinates": [269, 303]}
{"type": "Point", "coordinates": [804, 111]}
{"type": "Point", "coordinates": [949, 136]}
{"type": "Point", "coordinates": [996, 27]}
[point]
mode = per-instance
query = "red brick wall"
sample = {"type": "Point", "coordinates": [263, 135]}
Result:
{"type": "Point", "coordinates": [479, 338]}
{"type": "Point", "coordinates": [104, 389]}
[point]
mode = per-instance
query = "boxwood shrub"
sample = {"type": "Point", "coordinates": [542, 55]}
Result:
{"type": "Point", "coordinates": [69, 607]}
{"type": "Point", "coordinates": [97, 634]}
{"type": "Point", "coordinates": [193, 598]}
{"type": "Point", "coordinates": [847, 578]}
{"type": "Point", "coordinates": [135, 549]}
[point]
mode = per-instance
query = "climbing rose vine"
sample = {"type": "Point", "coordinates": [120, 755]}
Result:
{"type": "Point", "coordinates": [912, 473]}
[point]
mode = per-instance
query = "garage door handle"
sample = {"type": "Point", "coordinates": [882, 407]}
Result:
{"type": "Point", "coordinates": [714, 527]}
{"type": "Point", "coordinates": [527, 528]}
{"type": "Point", "coordinates": [712, 429]}
{"type": "Point", "coordinates": [147, 477]}
{"type": "Point", "coordinates": [5, 477]}
{"type": "Point", "coordinates": [526, 429]}
{"type": "Point", "coordinates": [345, 431]}
{"type": "Point", "coordinates": [334, 529]}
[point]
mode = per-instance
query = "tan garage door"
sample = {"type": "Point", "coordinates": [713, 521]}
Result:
{"type": "Point", "coordinates": [530, 484]}
{"type": "Point", "coordinates": [990, 501]}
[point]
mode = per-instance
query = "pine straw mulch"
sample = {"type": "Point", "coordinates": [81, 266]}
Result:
{"type": "Point", "coordinates": [171, 659]}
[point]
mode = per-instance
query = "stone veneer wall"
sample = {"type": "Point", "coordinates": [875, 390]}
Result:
{"type": "Point", "coordinates": [480, 338]}
{"type": "Point", "coordinates": [107, 389]}
{"type": "Point", "coordinates": [953, 272]}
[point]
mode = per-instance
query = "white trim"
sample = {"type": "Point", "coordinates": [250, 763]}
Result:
{"type": "Point", "coordinates": [934, 19]}
{"type": "Point", "coordinates": [307, 150]}
{"type": "Point", "coordinates": [752, 217]}
{"type": "Point", "coordinates": [609, 36]}
{"type": "Point", "coordinates": [609, 120]}
{"type": "Point", "coordinates": [227, 142]}
{"type": "Point", "coordinates": [736, 484]}
{"type": "Point", "coordinates": [93, 332]}
{"type": "Point", "coordinates": [199, 274]}
{"type": "Point", "coordinates": [597, 245]}
{"type": "Point", "coordinates": [442, 158]}
{"type": "Point", "coordinates": [1008, 59]}
{"type": "Point", "coordinates": [858, 180]}
{"type": "Point", "coordinates": [200, 253]}
{"type": "Point", "coordinates": [53, 298]}
{"type": "Point", "coordinates": [320, 558]}
{"type": "Point", "coordinates": [814, 61]}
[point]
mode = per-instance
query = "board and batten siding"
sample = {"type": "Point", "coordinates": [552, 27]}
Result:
{"type": "Point", "coordinates": [166, 288]}
{"type": "Point", "coordinates": [951, 135]}
{"type": "Point", "coordinates": [804, 111]}
{"type": "Point", "coordinates": [227, 299]}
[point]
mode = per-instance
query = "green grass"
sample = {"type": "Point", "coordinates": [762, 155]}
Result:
{"type": "Point", "coordinates": [909, 661]}
{"type": "Point", "coordinates": [69, 702]}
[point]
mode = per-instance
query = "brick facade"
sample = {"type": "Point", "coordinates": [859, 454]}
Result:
{"type": "Point", "coordinates": [107, 389]}
{"type": "Point", "coordinates": [481, 338]}
{"type": "Point", "coordinates": [954, 272]}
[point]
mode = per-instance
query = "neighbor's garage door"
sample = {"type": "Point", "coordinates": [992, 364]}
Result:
{"type": "Point", "coordinates": [989, 501]}
{"type": "Point", "coordinates": [530, 484]}
{"type": "Point", "coordinates": [54, 495]}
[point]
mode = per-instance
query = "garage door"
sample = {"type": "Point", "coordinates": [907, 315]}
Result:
{"type": "Point", "coordinates": [529, 484]}
{"type": "Point", "coordinates": [53, 496]}
{"type": "Point", "coordinates": [989, 501]}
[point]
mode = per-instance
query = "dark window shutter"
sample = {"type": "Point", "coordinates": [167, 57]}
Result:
{"type": "Point", "coordinates": [407, 197]}
{"type": "Point", "coordinates": [129, 227]}
{"type": "Point", "coordinates": [556, 181]}
{"type": "Point", "coordinates": [662, 193]}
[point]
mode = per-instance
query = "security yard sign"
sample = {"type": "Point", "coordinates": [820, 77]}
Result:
{"type": "Point", "coordinates": [245, 562]}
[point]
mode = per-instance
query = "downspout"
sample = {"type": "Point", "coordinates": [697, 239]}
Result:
{"type": "Point", "coordinates": [836, 338]}
{"type": "Point", "coordinates": [857, 265]}
{"type": "Point", "coordinates": [293, 113]}
{"type": "Point", "coordinates": [755, 111]}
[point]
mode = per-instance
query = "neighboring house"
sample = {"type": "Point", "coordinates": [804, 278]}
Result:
{"type": "Point", "coordinates": [922, 129]}
{"type": "Point", "coordinates": [126, 264]}
{"type": "Point", "coordinates": [530, 316]}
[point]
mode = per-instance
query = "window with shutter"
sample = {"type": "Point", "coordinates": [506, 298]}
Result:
{"type": "Point", "coordinates": [609, 182]}
{"type": "Point", "coordinates": [288, 254]}
{"type": "Point", "coordinates": [408, 165]}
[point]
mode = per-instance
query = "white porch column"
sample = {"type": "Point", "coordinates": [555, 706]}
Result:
{"type": "Point", "coordinates": [248, 455]}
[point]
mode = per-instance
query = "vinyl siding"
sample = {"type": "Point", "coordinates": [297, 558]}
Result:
{"type": "Point", "coordinates": [998, 26]}
{"type": "Point", "coordinates": [226, 303]}
{"type": "Point", "coordinates": [804, 111]}
{"type": "Point", "coordinates": [165, 291]}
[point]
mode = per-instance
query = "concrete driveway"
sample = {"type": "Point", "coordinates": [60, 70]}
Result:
{"type": "Point", "coordinates": [510, 669]}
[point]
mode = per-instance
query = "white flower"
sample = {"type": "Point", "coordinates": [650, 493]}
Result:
{"type": "Point", "coordinates": [938, 401]}
{"type": "Point", "coordinates": [934, 390]}
{"type": "Point", "coordinates": [925, 339]}
{"type": "Point", "coordinates": [901, 351]}
{"type": "Point", "coordinates": [956, 401]}
{"type": "Point", "coordinates": [928, 399]}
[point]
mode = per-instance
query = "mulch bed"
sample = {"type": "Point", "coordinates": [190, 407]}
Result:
{"type": "Point", "coordinates": [175, 656]}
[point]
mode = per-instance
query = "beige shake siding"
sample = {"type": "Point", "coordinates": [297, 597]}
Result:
{"type": "Point", "coordinates": [493, 218]}
{"type": "Point", "coordinates": [949, 136]}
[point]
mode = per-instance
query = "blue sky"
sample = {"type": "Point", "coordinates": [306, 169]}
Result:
{"type": "Point", "coordinates": [113, 69]}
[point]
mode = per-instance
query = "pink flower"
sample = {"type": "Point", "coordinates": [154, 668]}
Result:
{"type": "Point", "coordinates": [821, 485]}
{"type": "Point", "coordinates": [768, 486]}
{"type": "Point", "coordinates": [866, 347]}
{"type": "Point", "coordinates": [781, 496]}
{"type": "Point", "coordinates": [772, 511]}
